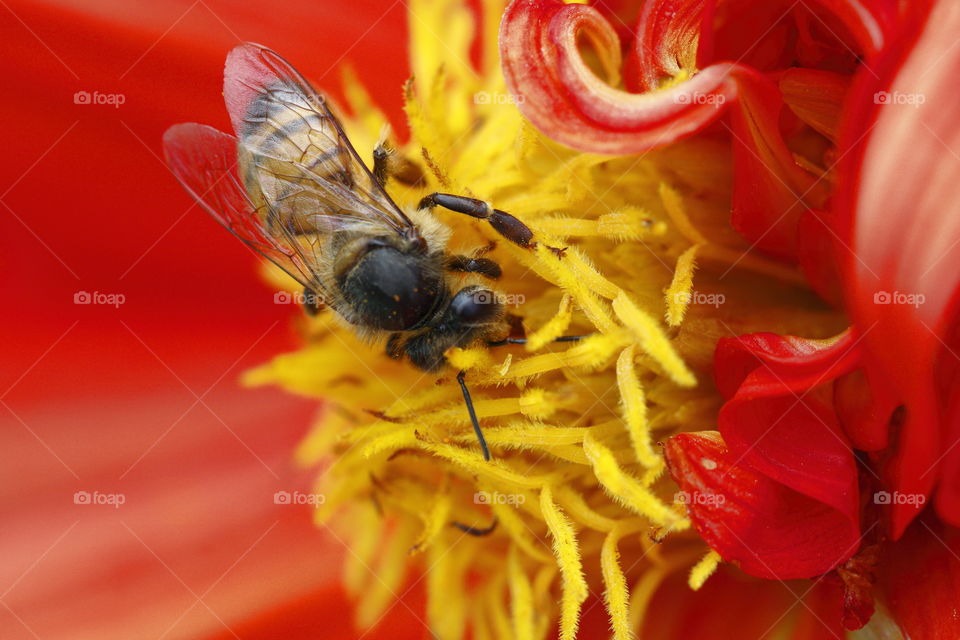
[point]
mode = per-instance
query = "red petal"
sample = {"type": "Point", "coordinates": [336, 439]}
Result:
{"type": "Point", "coordinates": [817, 253]}
{"type": "Point", "coordinates": [564, 99]}
{"type": "Point", "coordinates": [769, 530]}
{"type": "Point", "coordinates": [796, 363]}
{"type": "Point", "coordinates": [770, 190]}
{"type": "Point", "coordinates": [920, 580]}
{"type": "Point", "coordinates": [906, 242]}
{"type": "Point", "coordinates": [731, 606]}
{"type": "Point", "coordinates": [779, 419]}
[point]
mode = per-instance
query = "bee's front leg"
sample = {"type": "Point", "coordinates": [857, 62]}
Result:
{"type": "Point", "coordinates": [505, 224]}
{"type": "Point", "coordinates": [482, 266]}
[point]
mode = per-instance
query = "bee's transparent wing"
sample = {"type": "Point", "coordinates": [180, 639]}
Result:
{"type": "Point", "coordinates": [297, 155]}
{"type": "Point", "coordinates": [204, 160]}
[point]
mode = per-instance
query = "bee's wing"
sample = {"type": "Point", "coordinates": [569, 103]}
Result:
{"type": "Point", "coordinates": [204, 160]}
{"type": "Point", "coordinates": [297, 154]}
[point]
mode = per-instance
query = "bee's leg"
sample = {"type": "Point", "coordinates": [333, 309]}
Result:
{"type": "Point", "coordinates": [381, 156]}
{"type": "Point", "coordinates": [476, 531]}
{"type": "Point", "coordinates": [500, 343]}
{"type": "Point", "coordinates": [483, 266]}
{"type": "Point", "coordinates": [473, 415]}
{"type": "Point", "coordinates": [387, 163]}
{"type": "Point", "coordinates": [505, 224]}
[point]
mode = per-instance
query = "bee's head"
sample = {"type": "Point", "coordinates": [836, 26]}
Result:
{"type": "Point", "coordinates": [473, 313]}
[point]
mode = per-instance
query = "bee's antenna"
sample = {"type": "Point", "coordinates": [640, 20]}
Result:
{"type": "Point", "coordinates": [476, 531]}
{"type": "Point", "coordinates": [473, 415]}
{"type": "Point", "coordinates": [500, 343]}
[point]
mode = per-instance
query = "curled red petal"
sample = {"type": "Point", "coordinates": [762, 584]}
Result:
{"type": "Point", "coordinates": [768, 529]}
{"type": "Point", "coordinates": [867, 419]}
{"type": "Point", "coordinates": [668, 38]}
{"type": "Point", "coordinates": [779, 419]}
{"type": "Point", "coordinates": [563, 98]}
{"type": "Point", "coordinates": [796, 364]}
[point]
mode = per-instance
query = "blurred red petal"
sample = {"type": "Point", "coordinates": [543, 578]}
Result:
{"type": "Point", "coordinates": [752, 520]}
{"type": "Point", "coordinates": [920, 580]}
{"type": "Point", "coordinates": [731, 606]}
{"type": "Point", "coordinates": [817, 253]}
{"type": "Point", "coordinates": [901, 182]}
{"type": "Point", "coordinates": [92, 207]}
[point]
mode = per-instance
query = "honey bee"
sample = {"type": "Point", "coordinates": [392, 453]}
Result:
{"type": "Point", "coordinates": [292, 187]}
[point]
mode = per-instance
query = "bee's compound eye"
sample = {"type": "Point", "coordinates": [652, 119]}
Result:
{"type": "Point", "coordinates": [475, 305]}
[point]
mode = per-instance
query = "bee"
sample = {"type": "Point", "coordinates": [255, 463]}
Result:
{"type": "Point", "coordinates": [292, 187]}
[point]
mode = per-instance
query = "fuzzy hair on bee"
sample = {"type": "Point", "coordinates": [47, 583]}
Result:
{"type": "Point", "coordinates": [292, 187]}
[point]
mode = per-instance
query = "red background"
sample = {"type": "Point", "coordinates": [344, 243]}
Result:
{"type": "Point", "coordinates": [98, 398]}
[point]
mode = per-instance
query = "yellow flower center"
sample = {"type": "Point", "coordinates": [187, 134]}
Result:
{"type": "Point", "coordinates": [576, 486]}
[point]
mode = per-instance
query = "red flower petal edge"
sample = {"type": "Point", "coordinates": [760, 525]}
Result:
{"type": "Point", "coordinates": [752, 520]}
